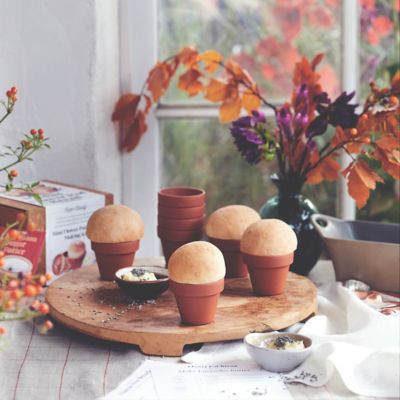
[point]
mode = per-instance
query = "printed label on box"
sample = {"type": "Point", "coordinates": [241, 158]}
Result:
{"type": "Point", "coordinates": [23, 255]}
{"type": "Point", "coordinates": [66, 232]}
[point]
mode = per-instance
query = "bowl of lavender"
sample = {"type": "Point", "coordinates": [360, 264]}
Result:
{"type": "Point", "coordinates": [278, 352]}
{"type": "Point", "coordinates": [144, 282]}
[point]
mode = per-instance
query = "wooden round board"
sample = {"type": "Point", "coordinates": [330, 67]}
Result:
{"type": "Point", "coordinates": [81, 301]}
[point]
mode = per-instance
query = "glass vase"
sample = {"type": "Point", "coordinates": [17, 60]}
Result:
{"type": "Point", "coordinates": [292, 207]}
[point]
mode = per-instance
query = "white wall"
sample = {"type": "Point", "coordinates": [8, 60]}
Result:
{"type": "Point", "coordinates": [63, 55]}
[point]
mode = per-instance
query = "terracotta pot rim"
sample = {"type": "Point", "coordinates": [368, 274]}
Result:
{"type": "Point", "coordinates": [193, 192]}
{"type": "Point", "coordinates": [181, 196]}
{"type": "Point", "coordinates": [197, 290]}
{"type": "Point", "coordinates": [115, 248]}
{"type": "Point", "coordinates": [181, 212]}
{"type": "Point", "coordinates": [254, 261]}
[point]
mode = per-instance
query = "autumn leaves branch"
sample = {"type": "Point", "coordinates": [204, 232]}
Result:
{"type": "Point", "coordinates": [374, 134]}
{"type": "Point", "coordinates": [234, 88]}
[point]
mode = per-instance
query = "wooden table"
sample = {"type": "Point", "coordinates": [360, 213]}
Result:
{"type": "Point", "coordinates": [65, 364]}
{"type": "Point", "coordinates": [83, 302]}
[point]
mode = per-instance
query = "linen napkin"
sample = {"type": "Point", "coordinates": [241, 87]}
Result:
{"type": "Point", "coordinates": [360, 343]}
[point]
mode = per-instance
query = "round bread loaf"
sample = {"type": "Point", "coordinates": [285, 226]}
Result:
{"type": "Point", "coordinates": [230, 222]}
{"type": "Point", "coordinates": [269, 237]}
{"type": "Point", "coordinates": [196, 262]}
{"type": "Point", "coordinates": [114, 224]}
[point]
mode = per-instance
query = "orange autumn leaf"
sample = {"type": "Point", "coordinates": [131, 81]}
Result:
{"type": "Point", "coordinates": [368, 177]}
{"type": "Point", "coordinates": [211, 59]}
{"type": "Point", "coordinates": [126, 107]}
{"type": "Point", "coordinates": [388, 143]}
{"type": "Point", "coordinates": [238, 73]}
{"type": "Point", "coordinates": [317, 60]}
{"type": "Point", "coordinates": [188, 56]}
{"type": "Point", "coordinates": [189, 82]}
{"type": "Point", "coordinates": [158, 80]}
{"type": "Point", "coordinates": [357, 190]}
{"type": "Point", "coordinates": [360, 180]}
{"type": "Point", "coordinates": [216, 90]}
{"type": "Point", "coordinates": [230, 108]}
{"type": "Point", "coordinates": [326, 170]}
{"type": "Point", "coordinates": [250, 101]}
{"type": "Point", "coordinates": [390, 163]}
{"type": "Point", "coordinates": [135, 132]}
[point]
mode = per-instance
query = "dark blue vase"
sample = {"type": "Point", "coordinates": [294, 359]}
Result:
{"type": "Point", "coordinates": [296, 210]}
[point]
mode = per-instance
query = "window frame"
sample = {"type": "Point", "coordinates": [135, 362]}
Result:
{"type": "Point", "coordinates": [139, 52]}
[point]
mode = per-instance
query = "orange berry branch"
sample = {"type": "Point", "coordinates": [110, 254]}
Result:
{"type": "Point", "coordinates": [29, 144]}
{"type": "Point", "coordinates": [20, 294]}
{"type": "Point", "coordinates": [371, 135]}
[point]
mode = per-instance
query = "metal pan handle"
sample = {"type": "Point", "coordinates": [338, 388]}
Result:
{"type": "Point", "coordinates": [325, 225]}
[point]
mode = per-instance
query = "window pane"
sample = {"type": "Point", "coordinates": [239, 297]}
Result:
{"type": "Point", "coordinates": [201, 153]}
{"type": "Point", "coordinates": [379, 52]}
{"type": "Point", "coordinates": [265, 36]}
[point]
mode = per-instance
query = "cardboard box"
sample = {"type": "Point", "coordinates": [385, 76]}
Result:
{"type": "Point", "coordinates": [60, 227]}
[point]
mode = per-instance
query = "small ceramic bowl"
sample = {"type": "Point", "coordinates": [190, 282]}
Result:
{"type": "Point", "coordinates": [277, 360]}
{"type": "Point", "coordinates": [144, 290]}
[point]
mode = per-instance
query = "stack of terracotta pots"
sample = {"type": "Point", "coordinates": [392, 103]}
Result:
{"type": "Point", "coordinates": [180, 217]}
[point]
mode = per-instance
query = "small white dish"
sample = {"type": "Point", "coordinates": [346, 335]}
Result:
{"type": "Point", "coordinates": [277, 360]}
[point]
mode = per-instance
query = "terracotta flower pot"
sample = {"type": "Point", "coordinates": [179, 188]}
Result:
{"type": "Point", "coordinates": [169, 247]}
{"type": "Point", "coordinates": [179, 236]}
{"type": "Point", "coordinates": [268, 274]}
{"type": "Point", "coordinates": [111, 257]}
{"type": "Point", "coordinates": [177, 224]}
{"type": "Point", "coordinates": [235, 265]}
{"type": "Point", "coordinates": [181, 212]}
{"type": "Point", "coordinates": [181, 197]}
{"type": "Point", "coordinates": [197, 304]}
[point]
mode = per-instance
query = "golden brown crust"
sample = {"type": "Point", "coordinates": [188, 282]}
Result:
{"type": "Point", "coordinates": [269, 237]}
{"type": "Point", "coordinates": [196, 262]}
{"type": "Point", "coordinates": [115, 224]}
{"type": "Point", "coordinates": [230, 222]}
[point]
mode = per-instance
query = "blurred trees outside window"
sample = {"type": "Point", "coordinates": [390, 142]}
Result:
{"type": "Point", "coordinates": [266, 37]}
